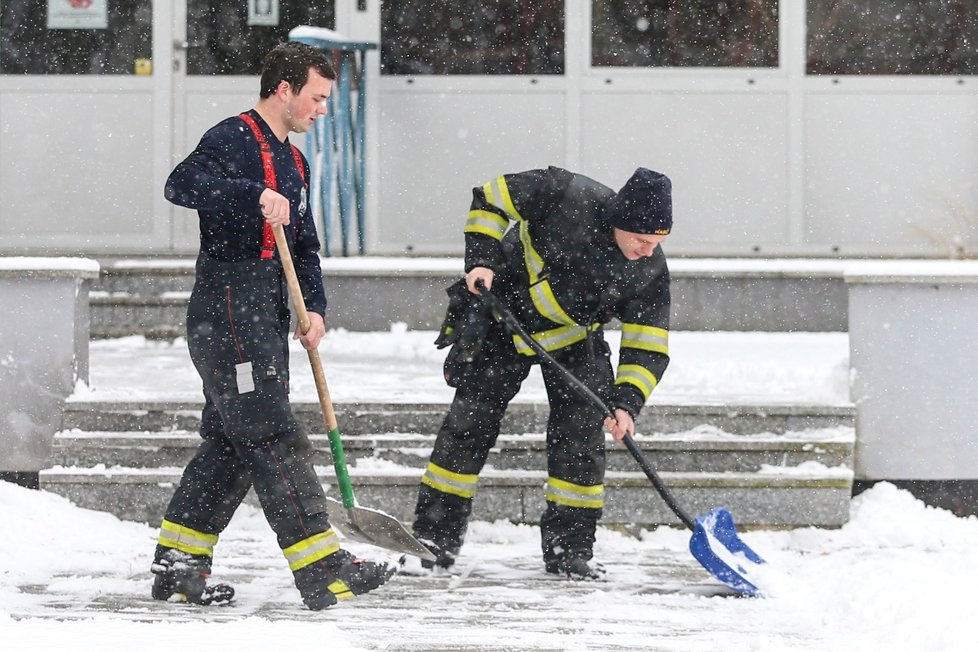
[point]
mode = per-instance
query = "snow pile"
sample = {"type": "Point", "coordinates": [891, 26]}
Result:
{"type": "Point", "coordinates": [898, 576]}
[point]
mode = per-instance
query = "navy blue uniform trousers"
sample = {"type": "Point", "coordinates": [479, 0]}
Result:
{"type": "Point", "coordinates": [238, 329]}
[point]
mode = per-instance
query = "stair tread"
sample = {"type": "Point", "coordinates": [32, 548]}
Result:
{"type": "Point", "coordinates": [841, 437]}
{"type": "Point", "coordinates": [86, 402]}
{"type": "Point", "coordinates": [797, 475]}
{"type": "Point", "coordinates": [835, 433]}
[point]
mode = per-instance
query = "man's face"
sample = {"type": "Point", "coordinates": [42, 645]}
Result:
{"type": "Point", "coordinates": [304, 107]}
{"type": "Point", "coordinates": [636, 245]}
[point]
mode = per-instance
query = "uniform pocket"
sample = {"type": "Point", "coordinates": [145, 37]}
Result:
{"type": "Point", "coordinates": [252, 416]}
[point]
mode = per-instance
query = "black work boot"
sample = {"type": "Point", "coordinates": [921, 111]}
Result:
{"type": "Point", "coordinates": [445, 554]}
{"type": "Point", "coordinates": [576, 566]}
{"type": "Point", "coordinates": [339, 576]}
{"type": "Point", "coordinates": [181, 577]}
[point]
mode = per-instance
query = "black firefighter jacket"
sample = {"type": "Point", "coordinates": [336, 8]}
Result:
{"type": "Point", "coordinates": [562, 274]}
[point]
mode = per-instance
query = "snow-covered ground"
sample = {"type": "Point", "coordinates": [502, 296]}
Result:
{"type": "Point", "coordinates": [898, 576]}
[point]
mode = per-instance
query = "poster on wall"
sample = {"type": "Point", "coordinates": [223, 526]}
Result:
{"type": "Point", "coordinates": [78, 14]}
{"type": "Point", "coordinates": [263, 12]}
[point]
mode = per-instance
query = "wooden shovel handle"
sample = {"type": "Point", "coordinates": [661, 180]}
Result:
{"type": "Point", "coordinates": [329, 415]}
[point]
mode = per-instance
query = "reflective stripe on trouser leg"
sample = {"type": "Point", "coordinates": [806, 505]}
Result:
{"type": "Point", "coordinates": [187, 540]}
{"type": "Point", "coordinates": [575, 495]}
{"type": "Point", "coordinates": [570, 520]}
{"type": "Point", "coordinates": [575, 454]}
{"type": "Point", "coordinates": [466, 435]}
{"type": "Point", "coordinates": [311, 549]}
{"type": "Point", "coordinates": [460, 484]}
{"type": "Point", "coordinates": [308, 560]}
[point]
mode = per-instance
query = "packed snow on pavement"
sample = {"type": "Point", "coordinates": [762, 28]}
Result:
{"type": "Point", "coordinates": [898, 576]}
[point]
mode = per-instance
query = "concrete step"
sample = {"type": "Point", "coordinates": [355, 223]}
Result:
{"type": "Point", "coordinates": [704, 450]}
{"type": "Point", "coordinates": [788, 497]}
{"type": "Point", "coordinates": [141, 297]}
{"type": "Point", "coordinates": [426, 418]}
{"type": "Point", "coordinates": [149, 296]}
{"type": "Point", "coordinates": [119, 314]}
{"type": "Point", "coordinates": [147, 276]}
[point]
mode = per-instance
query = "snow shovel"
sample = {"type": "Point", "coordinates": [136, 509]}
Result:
{"type": "Point", "coordinates": [715, 543]}
{"type": "Point", "coordinates": [358, 523]}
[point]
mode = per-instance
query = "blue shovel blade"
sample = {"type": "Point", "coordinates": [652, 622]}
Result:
{"type": "Point", "coordinates": [717, 547]}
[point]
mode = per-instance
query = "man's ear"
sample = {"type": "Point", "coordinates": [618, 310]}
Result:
{"type": "Point", "coordinates": [283, 87]}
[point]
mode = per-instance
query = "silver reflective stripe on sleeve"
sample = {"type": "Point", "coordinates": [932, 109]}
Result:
{"type": "Point", "coordinates": [646, 338]}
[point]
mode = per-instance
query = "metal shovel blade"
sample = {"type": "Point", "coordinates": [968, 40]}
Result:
{"type": "Point", "coordinates": [376, 528]}
{"type": "Point", "coordinates": [717, 547]}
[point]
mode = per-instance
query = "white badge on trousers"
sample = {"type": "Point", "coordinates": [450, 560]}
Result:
{"type": "Point", "coordinates": [245, 378]}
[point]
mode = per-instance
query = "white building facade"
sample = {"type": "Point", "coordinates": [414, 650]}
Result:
{"type": "Point", "coordinates": [789, 127]}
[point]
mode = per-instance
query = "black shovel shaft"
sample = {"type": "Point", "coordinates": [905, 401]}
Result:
{"type": "Point", "coordinates": [657, 482]}
{"type": "Point", "coordinates": [586, 393]}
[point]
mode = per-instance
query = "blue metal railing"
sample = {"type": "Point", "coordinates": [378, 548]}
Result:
{"type": "Point", "coordinates": [336, 143]}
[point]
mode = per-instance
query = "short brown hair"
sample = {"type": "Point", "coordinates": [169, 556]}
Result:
{"type": "Point", "coordinates": [290, 62]}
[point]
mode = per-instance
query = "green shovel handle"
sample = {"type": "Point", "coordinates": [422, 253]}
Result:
{"type": "Point", "coordinates": [339, 465]}
{"type": "Point", "coordinates": [325, 402]}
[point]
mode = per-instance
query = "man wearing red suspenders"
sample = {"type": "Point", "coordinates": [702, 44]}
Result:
{"type": "Point", "coordinates": [243, 178]}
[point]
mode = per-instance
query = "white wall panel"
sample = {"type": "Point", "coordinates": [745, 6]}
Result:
{"type": "Point", "coordinates": [434, 147]}
{"type": "Point", "coordinates": [725, 153]}
{"type": "Point", "coordinates": [77, 169]}
{"type": "Point", "coordinates": [764, 162]}
{"type": "Point", "coordinates": [892, 172]}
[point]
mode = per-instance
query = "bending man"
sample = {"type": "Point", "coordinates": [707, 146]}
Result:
{"type": "Point", "coordinates": [567, 255]}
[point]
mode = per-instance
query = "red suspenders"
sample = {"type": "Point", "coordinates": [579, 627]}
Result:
{"type": "Point", "coordinates": [268, 238]}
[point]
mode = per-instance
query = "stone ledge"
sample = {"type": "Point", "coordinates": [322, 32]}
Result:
{"type": "Point", "coordinates": [756, 500]}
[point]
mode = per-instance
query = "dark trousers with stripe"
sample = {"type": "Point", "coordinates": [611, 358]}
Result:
{"type": "Point", "coordinates": [575, 439]}
{"type": "Point", "coordinates": [237, 329]}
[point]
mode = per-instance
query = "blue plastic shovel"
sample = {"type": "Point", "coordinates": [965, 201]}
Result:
{"type": "Point", "coordinates": [715, 543]}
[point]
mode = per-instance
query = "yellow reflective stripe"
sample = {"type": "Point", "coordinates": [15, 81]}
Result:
{"type": "Point", "coordinates": [533, 260]}
{"type": "Point", "coordinates": [553, 339]}
{"type": "Point", "coordinates": [637, 375]}
{"type": "Point", "coordinates": [490, 194]}
{"type": "Point", "coordinates": [575, 495]}
{"type": "Point", "coordinates": [311, 549]}
{"type": "Point", "coordinates": [449, 482]}
{"type": "Point", "coordinates": [507, 201]}
{"type": "Point", "coordinates": [503, 200]}
{"type": "Point", "coordinates": [497, 194]}
{"type": "Point", "coordinates": [186, 540]}
{"type": "Point", "coordinates": [486, 223]}
{"type": "Point", "coordinates": [647, 338]}
{"type": "Point", "coordinates": [546, 303]}
{"type": "Point", "coordinates": [340, 589]}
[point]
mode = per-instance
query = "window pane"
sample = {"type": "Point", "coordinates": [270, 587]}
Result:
{"type": "Point", "coordinates": [893, 37]}
{"type": "Point", "coordinates": [223, 43]}
{"type": "Point", "coordinates": [472, 37]}
{"type": "Point", "coordinates": [684, 33]}
{"type": "Point", "coordinates": [30, 48]}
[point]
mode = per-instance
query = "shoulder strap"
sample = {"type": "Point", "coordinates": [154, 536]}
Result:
{"type": "Point", "coordinates": [268, 165]}
{"type": "Point", "coordinates": [297, 155]}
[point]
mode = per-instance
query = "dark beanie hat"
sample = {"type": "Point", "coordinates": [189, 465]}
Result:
{"type": "Point", "coordinates": [643, 205]}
